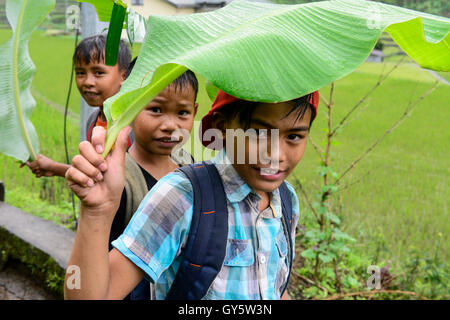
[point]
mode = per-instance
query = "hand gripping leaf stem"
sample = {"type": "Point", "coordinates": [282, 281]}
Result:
{"type": "Point", "coordinates": [271, 53]}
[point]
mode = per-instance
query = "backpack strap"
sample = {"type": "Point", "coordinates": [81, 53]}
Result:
{"type": "Point", "coordinates": [205, 248]}
{"type": "Point", "coordinates": [135, 187]}
{"type": "Point", "coordinates": [286, 203]}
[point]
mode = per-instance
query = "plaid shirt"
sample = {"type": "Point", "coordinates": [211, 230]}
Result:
{"type": "Point", "coordinates": [256, 262]}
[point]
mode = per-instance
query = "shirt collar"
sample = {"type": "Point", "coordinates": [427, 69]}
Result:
{"type": "Point", "coordinates": [235, 187]}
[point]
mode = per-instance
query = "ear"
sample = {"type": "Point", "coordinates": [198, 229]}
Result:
{"type": "Point", "coordinates": [195, 109]}
{"type": "Point", "coordinates": [123, 76]}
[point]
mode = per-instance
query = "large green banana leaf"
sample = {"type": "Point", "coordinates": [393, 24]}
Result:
{"type": "Point", "coordinates": [269, 52]}
{"type": "Point", "coordinates": [18, 136]}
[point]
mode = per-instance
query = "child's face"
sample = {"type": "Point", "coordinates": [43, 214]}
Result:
{"type": "Point", "coordinates": [284, 150]}
{"type": "Point", "coordinates": [97, 81]}
{"type": "Point", "coordinates": [159, 127]}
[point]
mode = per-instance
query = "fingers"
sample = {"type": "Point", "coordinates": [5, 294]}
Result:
{"type": "Point", "coordinates": [86, 173]}
{"type": "Point", "coordinates": [98, 139]}
{"type": "Point", "coordinates": [88, 152]}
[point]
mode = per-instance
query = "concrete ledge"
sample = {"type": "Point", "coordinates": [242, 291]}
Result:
{"type": "Point", "coordinates": [43, 246]}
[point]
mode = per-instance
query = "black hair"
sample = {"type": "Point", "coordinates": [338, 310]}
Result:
{"type": "Point", "coordinates": [187, 78]}
{"type": "Point", "coordinates": [93, 49]}
{"type": "Point", "coordinates": [243, 110]}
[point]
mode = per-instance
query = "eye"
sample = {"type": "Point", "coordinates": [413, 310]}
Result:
{"type": "Point", "coordinates": [295, 137]}
{"type": "Point", "coordinates": [154, 109]}
{"type": "Point", "coordinates": [79, 73]}
{"type": "Point", "coordinates": [99, 73]}
{"type": "Point", "coordinates": [184, 113]}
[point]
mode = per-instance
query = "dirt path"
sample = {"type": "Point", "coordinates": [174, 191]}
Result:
{"type": "Point", "coordinates": [17, 284]}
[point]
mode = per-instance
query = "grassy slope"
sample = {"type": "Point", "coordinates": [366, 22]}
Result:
{"type": "Point", "coordinates": [403, 192]}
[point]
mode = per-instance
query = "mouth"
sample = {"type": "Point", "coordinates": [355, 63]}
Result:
{"type": "Point", "coordinates": [168, 142]}
{"type": "Point", "coordinates": [271, 174]}
{"type": "Point", "coordinates": [90, 94]}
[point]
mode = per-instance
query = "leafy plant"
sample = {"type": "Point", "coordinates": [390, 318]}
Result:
{"type": "Point", "coordinates": [19, 138]}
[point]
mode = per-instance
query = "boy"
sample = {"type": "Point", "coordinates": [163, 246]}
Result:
{"type": "Point", "coordinates": [255, 266]}
{"type": "Point", "coordinates": [150, 157]}
{"type": "Point", "coordinates": [96, 82]}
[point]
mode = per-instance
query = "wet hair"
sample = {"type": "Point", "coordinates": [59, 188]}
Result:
{"type": "Point", "coordinates": [243, 110]}
{"type": "Point", "coordinates": [93, 49]}
{"type": "Point", "coordinates": [187, 78]}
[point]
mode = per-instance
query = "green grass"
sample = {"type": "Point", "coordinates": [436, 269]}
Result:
{"type": "Point", "coordinates": [403, 191]}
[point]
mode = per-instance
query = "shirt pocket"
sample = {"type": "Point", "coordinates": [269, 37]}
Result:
{"type": "Point", "coordinates": [282, 245]}
{"type": "Point", "coordinates": [239, 253]}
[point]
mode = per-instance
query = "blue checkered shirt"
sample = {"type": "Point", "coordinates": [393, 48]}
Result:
{"type": "Point", "coordinates": [256, 261]}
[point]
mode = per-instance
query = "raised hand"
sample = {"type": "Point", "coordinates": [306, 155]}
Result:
{"type": "Point", "coordinates": [99, 182]}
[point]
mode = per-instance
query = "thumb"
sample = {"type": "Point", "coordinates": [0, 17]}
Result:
{"type": "Point", "coordinates": [121, 145]}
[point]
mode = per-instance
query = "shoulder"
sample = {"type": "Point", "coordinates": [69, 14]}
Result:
{"type": "Point", "coordinates": [172, 193]}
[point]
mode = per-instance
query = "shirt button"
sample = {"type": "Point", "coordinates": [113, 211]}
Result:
{"type": "Point", "coordinates": [262, 259]}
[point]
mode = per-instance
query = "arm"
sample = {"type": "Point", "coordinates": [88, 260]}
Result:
{"type": "Point", "coordinates": [46, 167]}
{"type": "Point", "coordinates": [99, 183]}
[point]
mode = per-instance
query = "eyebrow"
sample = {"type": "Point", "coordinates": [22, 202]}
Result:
{"type": "Point", "coordinates": [270, 126]}
{"type": "Point", "coordinates": [181, 104]}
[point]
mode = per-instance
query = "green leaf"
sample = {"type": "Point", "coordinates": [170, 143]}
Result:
{"type": "Point", "coordinates": [325, 258]}
{"type": "Point", "coordinates": [212, 90]}
{"type": "Point", "coordinates": [334, 218]}
{"type": "Point", "coordinates": [114, 34]}
{"type": "Point", "coordinates": [309, 254]}
{"type": "Point", "coordinates": [18, 136]}
{"type": "Point", "coordinates": [271, 53]}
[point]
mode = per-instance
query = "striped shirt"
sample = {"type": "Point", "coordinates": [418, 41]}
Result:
{"type": "Point", "coordinates": [256, 261]}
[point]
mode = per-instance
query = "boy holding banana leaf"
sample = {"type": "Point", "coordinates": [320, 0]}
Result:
{"type": "Point", "coordinates": [96, 82]}
{"type": "Point", "coordinates": [250, 239]}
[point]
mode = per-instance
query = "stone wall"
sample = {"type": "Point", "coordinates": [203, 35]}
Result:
{"type": "Point", "coordinates": [40, 247]}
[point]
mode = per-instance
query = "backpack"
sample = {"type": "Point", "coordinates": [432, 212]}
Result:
{"type": "Point", "coordinates": [206, 244]}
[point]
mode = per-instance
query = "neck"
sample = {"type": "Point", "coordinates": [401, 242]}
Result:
{"type": "Point", "coordinates": [156, 164]}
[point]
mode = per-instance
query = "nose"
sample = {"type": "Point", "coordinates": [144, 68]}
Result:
{"type": "Point", "coordinates": [89, 80]}
{"type": "Point", "coordinates": [169, 124]}
{"type": "Point", "coordinates": [271, 150]}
